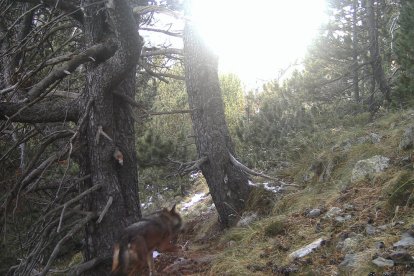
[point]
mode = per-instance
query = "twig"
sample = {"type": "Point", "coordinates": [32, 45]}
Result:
{"type": "Point", "coordinates": [70, 234]}
{"type": "Point", "coordinates": [188, 167]}
{"type": "Point", "coordinates": [61, 218]}
{"type": "Point", "coordinates": [108, 204]}
{"type": "Point", "coordinates": [103, 133]}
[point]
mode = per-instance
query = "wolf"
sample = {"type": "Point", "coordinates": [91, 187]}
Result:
{"type": "Point", "coordinates": [133, 251]}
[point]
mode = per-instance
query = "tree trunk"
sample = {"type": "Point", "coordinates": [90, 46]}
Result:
{"type": "Point", "coordinates": [228, 185]}
{"type": "Point", "coordinates": [107, 111]}
{"type": "Point", "coordinates": [355, 73]}
{"type": "Point", "coordinates": [376, 61]}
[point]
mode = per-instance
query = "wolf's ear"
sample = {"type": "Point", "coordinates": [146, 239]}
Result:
{"type": "Point", "coordinates": [173, 209]}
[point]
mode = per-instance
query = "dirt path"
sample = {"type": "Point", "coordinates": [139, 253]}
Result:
{"type": "Point", "coordinates": [197, 254]}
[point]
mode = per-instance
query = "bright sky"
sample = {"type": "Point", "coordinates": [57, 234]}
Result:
{"type": "Point", "coordinates": [257, 39]}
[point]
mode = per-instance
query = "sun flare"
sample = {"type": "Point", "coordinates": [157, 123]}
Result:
{"type": "Point", "coordinates": [256, 39]}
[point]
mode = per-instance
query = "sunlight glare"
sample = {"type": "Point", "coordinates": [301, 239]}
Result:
{"type": "Point", "coordinates": [256, 39]}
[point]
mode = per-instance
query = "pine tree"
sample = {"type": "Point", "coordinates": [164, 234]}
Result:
{"type": "Point", "coordinates": [405, 51]}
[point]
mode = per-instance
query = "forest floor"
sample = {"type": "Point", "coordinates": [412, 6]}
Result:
{"type": "Point", "coordinates": [373, 215]}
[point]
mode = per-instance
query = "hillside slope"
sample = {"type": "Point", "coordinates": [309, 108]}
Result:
{"type": "Point", "coordinates": [351, 214]}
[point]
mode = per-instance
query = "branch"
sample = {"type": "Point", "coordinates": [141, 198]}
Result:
{"type": "Point", "coordinates": [98, 53]}
{"type": "Point", "coordinates": [183, 111]}
{"type": "Point", "coordinates": [139, 10]}
{"type": "Point", "coordinates": [64, 94]}
{"type": "Point", "coordinates": [128, 99]}
{"type": "Point", "coordinates": [69, 235]}
{"type": "Point", "coordinates": [159, 52]}
{"type": "Point", "coordinates": [75, 199]}
{"type": "Point", "coordinates": [185, 168]}
{"type": "Point", "coordinates": [49, 111]}
{"type": "Point", "coordinates": [242, 167]}
{"type": "Point", "coordinates": [63, 5]}
{"type": "Point", "coordinates": [105, 210]}
{"type": "Point", "coordinates": [178, 34]}
{"type": "Point", "coordinates": [80, 269]}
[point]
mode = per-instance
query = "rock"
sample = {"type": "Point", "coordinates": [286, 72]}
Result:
{"type": "Point", "coordinates": [314, 213]}
{"type": "Point", "coordinates": [231, 243]}
{"type": "Point", "coordinates": [350, 261]}
{"type": "Point", "coordinates": [381, 262]}
{"type": "Point", "coordinates": [375, 138]}
{"type": "Point", "coordinates": [406, 241]}
{"type": "Point", "coordinates": [379, 245]}
{"type": "Point", "coordinates": [349, 207]}
{"type": "Point", "coordinates": [342, 219]}
{"type": "Point", "coordinates": [368, 167]}
{"type": "Point", "coordinates": [334, 211]}
{"type": "Point", "coordinates": [343, 146]}
{"type": "Point", "coordinates": [372, 137]}
{"type": "Point", "coordinates": [407, 140]}
{"type": "Point", "coordinates": [350, 244]}
{"type": "Point", "coordinates": [402, 258]}
{"type": "Point", "coordinates": [370, 230]}
{"type": "Point", "coordinates": [302, 252]}
{"type": "Point", "coordinates": [404, 161]}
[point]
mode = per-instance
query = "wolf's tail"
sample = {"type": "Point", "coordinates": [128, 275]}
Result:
{"type": "Point", "coordinates": [118, 260]}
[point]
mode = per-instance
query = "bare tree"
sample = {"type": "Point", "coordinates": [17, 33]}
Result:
{"type": "Point", "coordinates": [374, 51]}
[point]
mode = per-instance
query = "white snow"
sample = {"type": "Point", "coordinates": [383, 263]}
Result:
{"type": "Point", "coordinates": [196, 198]}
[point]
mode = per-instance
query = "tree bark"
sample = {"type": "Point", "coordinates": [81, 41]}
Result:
{"type": "Point", "coordinates": [376, 60]}
{"type": "Point", "coordinates": [355, 69]}
{"type": "Point", "coordinates": [228, 185]}
{"type": "Point", "coordinates": [114, 116]}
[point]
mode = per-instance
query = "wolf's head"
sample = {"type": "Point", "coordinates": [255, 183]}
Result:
{"type": "Point", "coordinates": [174, 219]}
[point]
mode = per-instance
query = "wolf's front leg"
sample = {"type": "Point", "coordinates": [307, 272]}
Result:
{"type": "Point", "coordinates": [151, 266]}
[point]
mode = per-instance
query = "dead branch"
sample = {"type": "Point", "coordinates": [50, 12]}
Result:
{"type": "Point", "coordinates": [152, 73]}
{"type": "Point", "coordinates": [159, 52]}
{"type": "Point", "coordinates": [183, 111]}
{"type": "Point", "coordinates": [99, 52]}
{"type": "Point", "coordinates": [73, 200]}
{"type": "Point", "coordinates": [108, 204]}
{"type": "Point", "coordinates": [45, 111]}
{"type": "Point", "coordinates": [188, 167]}
{"type": "Point", "coordinates": [28, 136]}
{"type": "Point", "coordinates": [70, 234]}
{"type": "Point", "coordinates": [128, 100]}
{"type": "Point", "coordinates": [139, 10]}
{"type": "Point", "coordinates": [247, 170]}
{"type": "Point", "coordinates": [64, 94]}
{"type": "Point", "coordinates": [175, 34]}
{"type": "Point", "coordinates": [100, 132]}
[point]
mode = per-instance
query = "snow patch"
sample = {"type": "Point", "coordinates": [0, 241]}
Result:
{"type": "Point", "coordinates": [267, 186]}
{"type": "Point", "coordinates": [274, 189]}
{"type": "Point", "coordinates": [196, 198]}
